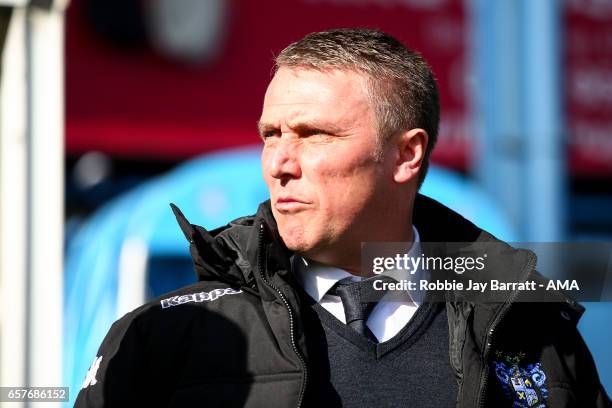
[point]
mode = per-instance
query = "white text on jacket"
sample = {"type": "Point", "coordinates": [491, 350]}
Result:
{"type": "Point", "coordinates": [198, 297]}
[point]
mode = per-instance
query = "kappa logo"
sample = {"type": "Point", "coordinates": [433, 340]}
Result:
{"type": "Point", "coordinates": [198, 297]}
{"type": "Point", "coordinates": [90, 378]}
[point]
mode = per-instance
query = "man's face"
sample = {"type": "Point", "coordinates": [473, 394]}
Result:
{"type": "Point", "coordinates": [320, 139]}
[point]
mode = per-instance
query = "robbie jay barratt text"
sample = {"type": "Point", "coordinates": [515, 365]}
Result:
{"type": "Point", "coordinates": [472, 285]}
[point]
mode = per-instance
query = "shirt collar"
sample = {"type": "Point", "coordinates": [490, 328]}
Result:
{"type": "Point", "coordinates": [317, 279]}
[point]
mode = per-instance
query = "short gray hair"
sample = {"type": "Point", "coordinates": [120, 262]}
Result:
{"type": "Point", "coordinates": [401, 84]}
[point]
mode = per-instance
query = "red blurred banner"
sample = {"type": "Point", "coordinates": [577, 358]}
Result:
{"type": "Point", "coordinates": [588, 79]}
{"type": "Point", "coordinates": [136, 103]}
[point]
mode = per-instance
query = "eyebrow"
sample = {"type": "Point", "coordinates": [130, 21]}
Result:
{"type": "Point", "coordinates": [263, 127]}
{"type": "Point", "coordinates": [302, 127]}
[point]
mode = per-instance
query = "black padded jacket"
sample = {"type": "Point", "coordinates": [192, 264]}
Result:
{"type": "Point", "coordinates": [234, 338]}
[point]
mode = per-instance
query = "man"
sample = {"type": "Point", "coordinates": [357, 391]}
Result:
{"type": "Point", "coordinates": [348, 124]}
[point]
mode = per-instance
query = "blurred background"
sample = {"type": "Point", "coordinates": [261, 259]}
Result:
{"type": "Point", "coordinates": [112, 109]}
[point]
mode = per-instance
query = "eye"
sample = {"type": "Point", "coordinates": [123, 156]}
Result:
{"type": "Point", "coordinates": [315, 132]}
{"type": "Point", "coordinates": [269, 133]}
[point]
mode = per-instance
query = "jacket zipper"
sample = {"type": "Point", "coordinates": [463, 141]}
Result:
{"type": "Point", "coordinates": [291, 329]}
{"type": "Point", "coordinates": [489, 341]}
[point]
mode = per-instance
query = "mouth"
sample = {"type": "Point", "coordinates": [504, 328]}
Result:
{"type": "Point", "coordinates": [290, 204]}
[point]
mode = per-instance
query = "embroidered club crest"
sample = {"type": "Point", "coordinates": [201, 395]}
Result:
{"type": "Point", "coordinates": [523, 385]}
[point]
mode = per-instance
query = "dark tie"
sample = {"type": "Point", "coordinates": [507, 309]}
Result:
{"type": "Point", "coordinates": [358, 300]}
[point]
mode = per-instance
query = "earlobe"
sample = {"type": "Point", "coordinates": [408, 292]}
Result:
{"type": "Point", "coordinates": [411, 146]}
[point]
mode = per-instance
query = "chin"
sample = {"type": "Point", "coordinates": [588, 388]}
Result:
{"type": "Point", "coordinates": [295, 240]}
{"type": "Point", "coordinates": [296, 245]}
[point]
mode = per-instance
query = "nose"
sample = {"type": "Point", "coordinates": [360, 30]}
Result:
{"type": "Point", "coordinates": [284, 159]}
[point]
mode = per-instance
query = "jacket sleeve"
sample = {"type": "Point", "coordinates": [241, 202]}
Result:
{"type": "Point", "coordinates": [118, 371]}
{"type": "Point", "coordinates": [591, 392]}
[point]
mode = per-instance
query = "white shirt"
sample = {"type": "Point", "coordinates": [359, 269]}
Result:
{"type": "Point", "coordinates": [386, 319]}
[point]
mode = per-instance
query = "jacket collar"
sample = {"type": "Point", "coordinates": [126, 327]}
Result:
{"type": "Point", "coordinates": [230, 253]}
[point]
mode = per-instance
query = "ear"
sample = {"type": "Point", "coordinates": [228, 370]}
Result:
{"type": "Point", "coordinates": [411, 146]}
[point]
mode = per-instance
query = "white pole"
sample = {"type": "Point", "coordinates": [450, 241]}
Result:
{"type": "Point", "coordinates": [46, 201]}
{"type": "Point", "coordinates": [13, 199]}
{"type": "Point", "coordinates": [32, 197]}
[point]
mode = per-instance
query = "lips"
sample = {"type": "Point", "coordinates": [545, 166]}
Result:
{"type": "Point", "coordinates": [290, 204]}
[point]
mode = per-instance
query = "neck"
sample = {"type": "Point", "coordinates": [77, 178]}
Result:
{"type": "Point", "coordinates": [348, 257]}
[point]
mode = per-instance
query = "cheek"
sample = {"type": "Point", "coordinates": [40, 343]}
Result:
{"type": "Point", "coordinates": [343, 182]}
{"type": "Point", "coordinates": [265, 167]}
{"type": "Point", "coordinates": [329, 164]}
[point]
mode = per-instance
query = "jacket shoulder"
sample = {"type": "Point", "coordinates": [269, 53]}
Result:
{"type": "Point", "coordinates": [147, 342]}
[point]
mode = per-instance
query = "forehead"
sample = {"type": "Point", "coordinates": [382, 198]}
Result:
{"type": "Point", "coordinates": [333, 94]}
